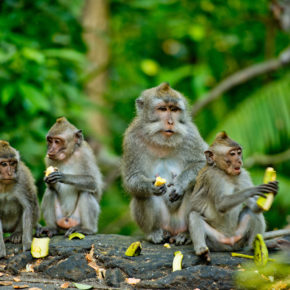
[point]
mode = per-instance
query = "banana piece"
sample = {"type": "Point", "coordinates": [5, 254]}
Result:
{"type": "Point", "coordinates": [40, 247]}
{"type": "Point", "coordinates": [177, 261]}
{"type": "Point", "coordinates": [262, 202]}
{"type": "Point", "coordinates": [159, 181]}
{"type": "Point", "coordinates": [134, 249]}
{"type": "Point", "coordinates": [76, 235]}
{"type": "Point", "coordinates": [50, 169]}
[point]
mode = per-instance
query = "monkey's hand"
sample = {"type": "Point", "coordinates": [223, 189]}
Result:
{"type": "Point", "coordinates": [54, 177]}
{"type": "Point", "coordinates": [271, 187]}
{"type": "Point", "coordinates": [175, 193]}
{"type": "Point", "coordinates": [158, 190]}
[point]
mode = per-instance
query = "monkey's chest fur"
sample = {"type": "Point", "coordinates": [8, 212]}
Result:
{"type": "Point", "coordinates": [10, 211]}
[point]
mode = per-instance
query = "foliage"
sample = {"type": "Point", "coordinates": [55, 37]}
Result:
{"type": "Point", "coordinates": [42, 59]}
{"type": "Point", "coordinates": [191, 44]}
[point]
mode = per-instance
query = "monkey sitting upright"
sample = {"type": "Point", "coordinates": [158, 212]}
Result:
{"type": "Point", "coordinates": [71, 199]}
{"type": "Point", "coordinates": [19, 209]}
{"type": "Point", "coordinates": [161, 141]}
{"type": "Point", "coordinates": [224, 215]}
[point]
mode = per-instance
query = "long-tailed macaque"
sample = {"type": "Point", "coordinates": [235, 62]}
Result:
{"type": "Point", "coordinates": [19, 209]}
{"type": "Point", "coordinates": [224, 215]}
{"type": "Point", "coordinates": [71, 199]}
{"type": "Point", "coordinates": [161, 141]}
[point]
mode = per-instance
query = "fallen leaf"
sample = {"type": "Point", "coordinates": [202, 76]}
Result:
{"type": "Point", "coordinates": [132, 281]}
{"type": "Point", "coordinates": [83, 286]}
{"type": "Point", "coordinates": [16, 279]}
{"type": "Point", "coordinates": [101, 272]}
{"type": "Point", "coordinates": [65, 285]}
{"type": "Point", "coordinates": [5, 283]}
{"type": "Point", "coordinates": [1, 274]}
{"type": "Point", "coordinates": [90, 255]}
{"type": "Point", "coordinates": [35, 288]}
{"type": "Point", "coordinates": [29, 268]}
{"type": "Point", "coordinates": [20, 286]}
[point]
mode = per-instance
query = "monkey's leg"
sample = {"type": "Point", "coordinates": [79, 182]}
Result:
{"type": "Point", "coordinates": [27, 221]}
{"type": "Point", "coordinates": [198, 234]}
{"type": "Point", "coordinates": [88, 208]}
{"type": "Point", "coordinates": [152, 217]}
{"type": "Point", "coordinates": [48, 211]}
{"type": "Point", "coordinates": [2, 244]}
{"type": "Point", "coordinates": [242, 229]}
{"type": "Point", "coordinates": [256, 226]}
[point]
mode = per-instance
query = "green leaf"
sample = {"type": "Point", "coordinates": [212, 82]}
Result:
{"type": "Point", "coordinates": [83, 286]}
{"type": "Point", "coordinates": [34, 98]}
{"type": "Point", "coordinates": [33, 54]}
{"type": "Point", "coordinates": [261, 123]}
{"type": "Point", "coordinates": [7, 94]}
{"type": "Point", "coordinates": [66, 54]}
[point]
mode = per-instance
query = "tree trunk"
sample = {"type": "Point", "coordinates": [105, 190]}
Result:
{"type": "Point", "coordinates": [95, 24]}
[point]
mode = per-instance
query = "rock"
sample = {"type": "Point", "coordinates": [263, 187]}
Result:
{"type": "Point", "coordinates": [67, 262]}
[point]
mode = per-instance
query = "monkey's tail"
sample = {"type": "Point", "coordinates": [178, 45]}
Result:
{"type": "Point", "coordinates": [275, 234]}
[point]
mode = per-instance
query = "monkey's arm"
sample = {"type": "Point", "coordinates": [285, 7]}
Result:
{"type": "Point", "coordinates": [141, 186]}
{"type": "Point", "coordinates": [81, 182]}
{"type": "Point", "coordinates": [225, 202]}
{"type": "Point", "coordinates": [2, 244]}
{"type": "Point", "coordinates": [185, 180]}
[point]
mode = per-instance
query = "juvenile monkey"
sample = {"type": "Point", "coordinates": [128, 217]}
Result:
{"type": "Point", "coordinates": [224, 215]}
{"type": "Point", "coordinates": [161, 141]}
{"type": "Point", "coordinates": [19, 209]}
{"type": "Point", "coordinates": [71, 199]}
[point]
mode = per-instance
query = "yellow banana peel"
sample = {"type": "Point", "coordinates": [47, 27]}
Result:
{"type": "Point", "coordinates": [50, 169]}
{"type": "Point", "coordinates": [134, 249]}
{"type": "Point", "coordinates": [40, 247]}
{"type": "Point", "coordinates": [76, 235]}
{"type": "Point", "coordinates": [159, 181]}
{"type": "Point", "coordinates": [177, 261]}
{"type": "Point", "coordinates": [262, 202]}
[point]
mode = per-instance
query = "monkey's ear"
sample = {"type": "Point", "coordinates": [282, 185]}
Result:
{"type": "Point", "coordinates": [209, 157]}
{"type": "Point", "coordinates": [139, 104]}
{"type": "Point", "coordinates": [79, 137]}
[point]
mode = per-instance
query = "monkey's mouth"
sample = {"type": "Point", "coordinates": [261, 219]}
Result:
{"type": "Point", "coordinates": [168, 133]}
{"type": "Point", "coordinates": [237, 170]}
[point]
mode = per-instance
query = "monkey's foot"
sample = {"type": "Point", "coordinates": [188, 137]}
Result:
{"type": "Point", "coordinates": [203, 253]}
{"type": "Point", "coordinates": [159, 236]}
{"type": "Point", "coordinates": [230, 240]}
{"type": "Point", "coordinates": [47, 231]}
{"type": "Point", "coordinates": [80, 230]}
{"type": "Point", "coordinates": [14, 238]}
{"type": "Point", "coordinates": [181, 239]}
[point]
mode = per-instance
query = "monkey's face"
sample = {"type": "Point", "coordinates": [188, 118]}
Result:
{"type": "Point", "coordinates": [56, 148]}
{"type": "Point", "coordinates": [8, 170]}
{"type": "Point", "coordinates": [165, 123]}
{"type": "Point", "coordinates": [233, 161]}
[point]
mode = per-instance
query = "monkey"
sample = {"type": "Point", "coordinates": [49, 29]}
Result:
{"type": "Point", "coordinates": [224, 215]}
{"type": "Point", "coordinates": [161, 141]}
{"type": "Point", "coordinates": [19, 208]}
{"type": "Point", "coordinates": [73, 192]}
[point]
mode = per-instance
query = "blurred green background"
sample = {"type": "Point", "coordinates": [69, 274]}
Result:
{"type": "Point", "coordinates": [89, 60]}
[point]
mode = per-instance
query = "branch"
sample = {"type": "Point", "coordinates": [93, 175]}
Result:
{"type": "Point", "coordinates": [241, 77]}
{"type": "Point", "coordinates": [259, 159]}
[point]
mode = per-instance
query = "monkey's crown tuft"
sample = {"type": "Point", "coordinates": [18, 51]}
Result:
{"type": "Point", "coordinates": [164, 87]}
{"type": "Point", "coordinates": [4, 144]}
{"type": "Point", "coordinates": [222, 135]}
{"type": "Point", "coordinates": [61, 120]}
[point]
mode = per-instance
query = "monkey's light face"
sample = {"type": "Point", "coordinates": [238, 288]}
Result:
{"type": "Point", "coordinates": [8, 170]}
{"type": "Point", "coordinates": [56, 148]}
{"type": "Point", "coordinates": [234, 161]}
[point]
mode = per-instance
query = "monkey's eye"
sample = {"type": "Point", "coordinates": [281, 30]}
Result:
{"type": "Point", "coordinates": [232, 153]}
{"type": "Point", "coordinates": [13, 163]}
{"type": "Point", "coordinates": [239, 152]}
{"type": "Point", "coordinates": [174, 109]}
{"type": "Point", "coordinates": [163, 109]}
{"type": "Point", "coordinates": [49, 140]}
{"type": "Point", "coordinates": [4, 164]}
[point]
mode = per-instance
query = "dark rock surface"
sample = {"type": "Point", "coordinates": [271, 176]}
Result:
{"type": "Point", "coordinates": [67, 263]}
